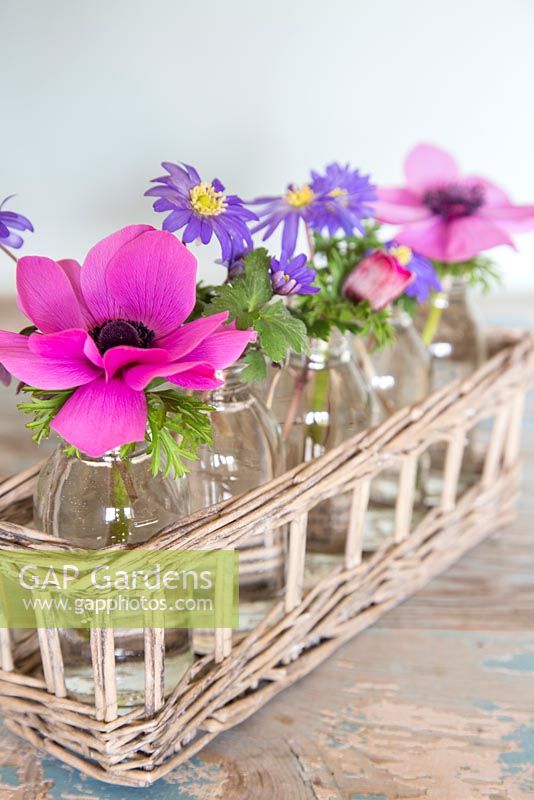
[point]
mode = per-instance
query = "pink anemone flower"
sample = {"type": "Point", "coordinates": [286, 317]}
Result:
{"type": "Point", "coordinates": [107, 329]}
{"type": "Point", "coordinates": [445, 216]}
{"type": "Point", "coordinates": [379, 278]}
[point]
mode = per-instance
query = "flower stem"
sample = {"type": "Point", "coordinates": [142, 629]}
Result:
{"type": "Point", "coordinates": [9, 253]}
{"type": "Point", "coordinates": [309, 237]}
{"type": "Point", "coordinates": [433, 319]}
{"type": "Point", "coordinates": [123, 496]}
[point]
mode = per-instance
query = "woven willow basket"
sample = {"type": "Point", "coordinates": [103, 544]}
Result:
{"type": "Point", "coordinates": [304, 628]}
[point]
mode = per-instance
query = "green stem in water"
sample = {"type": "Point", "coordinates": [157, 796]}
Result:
{"type": "Point", "coordinates": [319, 401]}
{"type": "Point", "coordinates": [122, 499]}
{"type": "Point", "coordinates": [433, 319]}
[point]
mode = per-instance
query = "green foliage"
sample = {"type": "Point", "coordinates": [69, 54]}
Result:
{"type": "Point", "coordinates": [329, 309]}
{"type": "Point", "coordinates": [245, 297]}
{"type": "Point", "coordinates": [256, 369]}
{"type": "Point", "coordinates": [279, 331]}
{"type": "Point", "coordinates": [178, 425]}
{"type": "Point", "coordinates": [43, 406]}
{"type": "Point", "coordinates": [248, 302]}
{"type": "Point", "coordinates": [479, 271]}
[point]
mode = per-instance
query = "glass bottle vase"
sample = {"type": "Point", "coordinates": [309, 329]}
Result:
{"type": "Point", "coordinates": [400, 378]}
{"type": "Point", "coordinates": [98, 502]}
{"type": "Point", "coordinates": [457, 349]}
{"type": "Point", "coordinates": [246, 452]}
{"type": "Point", "coordinates": [320, 401]}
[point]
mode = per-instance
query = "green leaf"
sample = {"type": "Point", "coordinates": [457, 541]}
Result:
{"type": "Point", "coordinates": [178, 425]}
{"type": "Point", "coordinates": [43, 405]}
{"type": "Point", "coordinates": [280, 332]}
{"type": "Point", "coordinates": [256, 369]}
{"type": "Point", "coordinates": [247, 294]}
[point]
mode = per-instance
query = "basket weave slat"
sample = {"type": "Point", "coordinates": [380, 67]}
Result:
{"type": "Point", "coordinates": [304, 627]}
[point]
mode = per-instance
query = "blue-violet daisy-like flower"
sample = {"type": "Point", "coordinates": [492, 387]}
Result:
{"type": "Point", "coordinates": [10, 221]}
{"type": "Point", "coordinates": [345, 198]}
{"type": "Point", "coordinates": [202, 209]}
{"type": "Point", "coordinates": [292, 275]}
{"type": "Point", "coordinates": [426, 279]}
{"type": "Point", "coordinates": [288, 210]}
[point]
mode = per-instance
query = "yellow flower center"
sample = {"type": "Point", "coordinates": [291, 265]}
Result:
{"type": "Point", "coordinates": [206, 201]}
{"type": "Point", "coordinates": [403, 254]}
{"type": "Point", "coordinates": [337, 192]}
{"type": "Point", "coordinates": [287, 277]}
{"type": "Point", "coordinates": [299, 196]}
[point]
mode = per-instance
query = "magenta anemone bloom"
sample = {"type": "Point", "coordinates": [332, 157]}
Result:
{"type": "Point", "coordinates": [107, 329]}
{"type": "Point", "coordinates": [202, 209]}
{"type": "Point", "coordinates": [379, 278]}
{"type": "Point", "coordinates": [445, 216]}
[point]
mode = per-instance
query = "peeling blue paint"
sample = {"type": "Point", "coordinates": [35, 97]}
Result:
{"type": "Point", "coordinates": [368, 797]}
{"type": "Point", "coordinates": [68, 781]}
{"type": "Point", "coordinates": [9, 776]}
{"type": "Point", "coordinates": [520, 662]}
{"type": "Point", "coordinates": [516, 760]}
{"type": "Point", "coordinates": [485, 705]}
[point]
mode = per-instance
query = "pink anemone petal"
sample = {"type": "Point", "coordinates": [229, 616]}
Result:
{"type": "Point", "coordinates": [429, 238]}
{"type": "Point", "coordinates": [223, 347]}
{"type": "Point", "coordinates": [53, 361]}
{"type": "Point", "coordinates": [398, 206]}
{"type": "Point", "coordinates": [46, 295]}
{"type": "Point", "coordinates": [511, 218]}
{"type": "Point", "coordinates": [427, 165]}
{"type": "Point", "coordinates": [202, 379]}
{"type": "Point", "coordinates": [73, 271]}
{"type": "Point", "coordinates": [493, 194]}
{"type": "Point", "coordinates": [100, 303]}
{"type": "Point", "coordinates": [153, 280]}
{"type": "Point", "coordinates": [93, 353]}
{"type": "Point", "coordinates": [140, 375]}
{"type": "Point", "coordinates": [101, 416]}
{"type": "Point", "coordinates": [118, 357]}
{"type": "Point", "coordinates": [181, 341]}
{"type": "Point", "coordinates": [468, 236]}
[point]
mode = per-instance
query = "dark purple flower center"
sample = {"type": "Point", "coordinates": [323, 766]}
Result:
{"type": "Point", "coordinates": [454, 200]}
{"type": "Point", "coordinates": [121, 332]}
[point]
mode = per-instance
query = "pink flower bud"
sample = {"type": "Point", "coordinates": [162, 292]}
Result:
{"type": "Point", "coordinates": [379, 278]}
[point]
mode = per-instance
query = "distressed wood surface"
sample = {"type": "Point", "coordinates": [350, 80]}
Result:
{"type": "Point", "coordinates": [434, 702]}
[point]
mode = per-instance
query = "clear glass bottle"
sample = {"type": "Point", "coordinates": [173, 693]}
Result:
{"type": "Point", "coordinates": [246, 452]}
{"type": "Point", "coordinates": [457, 349]}
{"type": "Point", "coordinates": [400, 378]}
{"type": "Point", "coordinates": [95, 503]}
{"type": "Point", "coordinates": [320, 401]}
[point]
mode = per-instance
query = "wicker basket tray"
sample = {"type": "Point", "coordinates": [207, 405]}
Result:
{"type": "Point", "coordinates": [305, 627]}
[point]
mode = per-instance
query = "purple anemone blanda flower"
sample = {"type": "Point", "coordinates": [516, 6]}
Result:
{"type": "Point", "coordinates": [202, 209]}
{"type": "Point", "coordinates": [345, 199]}
{"type": "Point", "coordinates": [288, 210]}
{"type": "Point", "coordinates": [426, 279]}
{"type": "Point", "coordinates": [10, 221]}
{"type": "Point", "coordinates": [292, 275]}
{"type": "Point", "coordinates": [108, 329]}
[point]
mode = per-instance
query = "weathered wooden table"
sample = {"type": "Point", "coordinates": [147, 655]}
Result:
{"type": "Point", "coordinates": [435, 702]}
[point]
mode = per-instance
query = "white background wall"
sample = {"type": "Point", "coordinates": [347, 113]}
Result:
{"type": "Point", "coordinates": [95, 93]}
